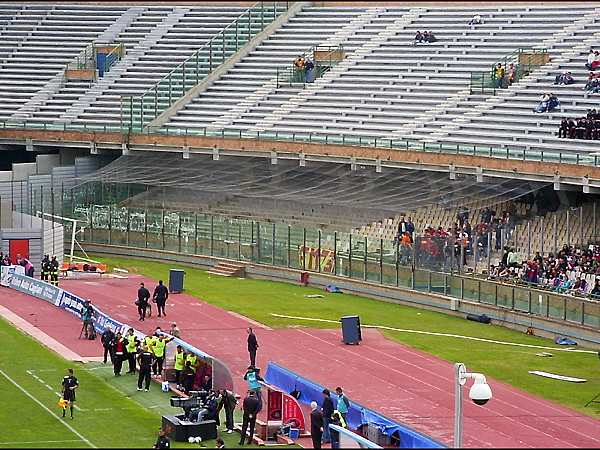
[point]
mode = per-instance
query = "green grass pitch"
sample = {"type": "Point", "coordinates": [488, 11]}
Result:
{"type": "Point", "coordinates": [112, 413]}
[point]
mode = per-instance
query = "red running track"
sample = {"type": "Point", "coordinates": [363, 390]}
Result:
{"type": "Point", "coordinates": [407, 385]}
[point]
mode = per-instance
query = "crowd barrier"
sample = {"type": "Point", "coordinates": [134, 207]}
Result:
{"type": "Point", "coordinates": [358, 416]}
{"type": "Point", "coordinates": [72, 303]}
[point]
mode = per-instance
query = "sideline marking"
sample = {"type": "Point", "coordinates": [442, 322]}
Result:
{"type": "Point", "coordinates": [22, 389]}
{"type": "Point", "coordinates": [430, 333]}
{"type": "Point", "coordinates": [39, 442]}
{"type": "Point", "coordinates": [51, 389]}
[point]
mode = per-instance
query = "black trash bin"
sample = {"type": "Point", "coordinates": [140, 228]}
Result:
{"type": "Point", "coordinates": [176, 281]}
{"type": "Point", "coordinates": [351, 330]}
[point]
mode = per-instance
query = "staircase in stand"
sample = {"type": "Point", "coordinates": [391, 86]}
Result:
{"type": "Point", "coordinates": [228, 270]}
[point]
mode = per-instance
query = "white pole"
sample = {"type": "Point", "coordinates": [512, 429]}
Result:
{"type": "Point", "coordinates": [74, 227]}
{"type": "Point", "coordinates": [459, 380]}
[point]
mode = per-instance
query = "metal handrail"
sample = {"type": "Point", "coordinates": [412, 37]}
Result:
{"type": "Point", "coordinates": [118, 51]}
{"type": "Point", "coordinates": [521, 154]}
{"type": "Point", "coordinates": [205, 46]}
{"type": "Point", "coordinates": [215, 46]}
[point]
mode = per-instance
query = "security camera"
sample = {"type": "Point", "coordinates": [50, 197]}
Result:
{"type": "Point", "coordinates": [480, 392]}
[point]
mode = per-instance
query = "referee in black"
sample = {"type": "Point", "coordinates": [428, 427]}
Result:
{"type": "Point", "coordinates": [69, 384]}
{"type": "Point", "coordinates": [145, 360]}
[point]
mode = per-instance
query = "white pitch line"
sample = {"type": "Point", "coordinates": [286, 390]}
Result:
{"type": "Point", "coordinates": [69, 427]}
{"type": "Point", "coordinates": [39, 442]}
{"type": "Point", "coordinates": [50, 388]}
{"type": "Point", "coordinates": [430, 333]}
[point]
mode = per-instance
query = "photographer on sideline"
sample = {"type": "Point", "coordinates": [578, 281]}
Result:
{"type": "Point", "coordinates": [87, 315]}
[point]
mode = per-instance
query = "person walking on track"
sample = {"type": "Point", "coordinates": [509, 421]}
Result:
{"type": "Point", "coordinates": [252, 346]}
{"type": "Point", "coordinates": [143, 295]}
{"type": "Point", "coordinates": [161, 294]}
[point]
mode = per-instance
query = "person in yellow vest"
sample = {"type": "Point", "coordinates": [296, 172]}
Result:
{"type": "Point", "coordinates": [158, 348]}
{"type": "Point", "coordinates": [131, 347]}
{"type": "Point", "coordinates": [192, 359]}
{"type": "Point", "coordinates": [179, 365]}
{"type": "Point", "coordinates": [336, 419]}
{"type": "Point", "coordinates": [150, 340]}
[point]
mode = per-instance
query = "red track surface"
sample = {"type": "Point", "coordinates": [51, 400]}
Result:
{"type": "Point", "coordinates": [404, 384]}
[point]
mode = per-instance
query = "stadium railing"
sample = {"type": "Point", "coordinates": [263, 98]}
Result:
{"type": "Point", "coordinates": [138, 111]}
{"type": "Point", "coordinates": [519, 154]}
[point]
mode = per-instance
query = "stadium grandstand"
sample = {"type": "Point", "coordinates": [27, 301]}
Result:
{"type": "Point", "coordinates": [426, 153]}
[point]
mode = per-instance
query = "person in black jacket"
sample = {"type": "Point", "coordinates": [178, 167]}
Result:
{"type": "Point", "coordinates": [161, 294]}
{"type": "Point", "coordinates": [145, 360]}
{"type": "Point", "coordinates": [316, 425]}
{"type": "Point", "coordinates": [143, 295]}
{"type": "Point", "coordinates": [107, 339]}
{"type": "Point", "coordinates": [252, 346]}
{"type": "Point", "coordinates": [228, 403]}
{"type": "Point", "coordinates": [250, 407]}
{"type": "Point", "coordinates": [327, 408]}
{"type": "Point", "coordinates": [163, 441]}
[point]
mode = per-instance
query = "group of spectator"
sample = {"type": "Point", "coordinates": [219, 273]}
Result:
{"type": "Point", "coordinates": [587, 127]}
{"type": "Point", "coordinates": [564, 78]}
{"type": "Point", "coordinates": [548, 102]}
{"type": "Point", "coordinates": [437, 246]}
{"type": "Point", "coordinates": [503, 78]}
{"type": "Point", "coordinates": [593, 60]}
{"type": "Point", "coordinates": [426, 37]}
{"type": "Point", "coordinates": [592, 85]}
{"type": "Point", "coordinates": [5, 260]}
{"type": "Point", "coordinates": [305, 66]}
{"type": "Point", "coordinates": [565, 272]}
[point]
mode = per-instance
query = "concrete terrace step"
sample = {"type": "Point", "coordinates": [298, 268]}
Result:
{"type": "Point", "coordinates": [228, 270]}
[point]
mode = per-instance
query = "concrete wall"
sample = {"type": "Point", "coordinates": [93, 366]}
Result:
{"type": "Point", "coordinates": [49, 240]}
{"type": "Point", "coordinates": [545, 327]}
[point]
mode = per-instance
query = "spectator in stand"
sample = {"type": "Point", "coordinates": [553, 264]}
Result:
{"type": "Point", "coordinates": [499, 75]}
{"type": "Point", "coordinates": [430, 37]}
{"type": "Point", "coordinates": [563, 128]}
{"type": "Point", "coordinates": [548, 103]}
{"type": "Point", "coordinates": [309, 67]}
{"type": "Point", "coordinates": [5, 260]}
{"type": "Point", "coordinates": [580, 285]}
{"type": "Point", "coordinates": [596, 291]}
{"type": "Point", "coordinates": [299, 62]}
{"type": "Point", "coordinates": [512, 259]}
{"type": "Point", "coordinates": [580, 127]}
{"type": "Point", "coordinates": [410, 229]}
{"type": "Point", "coordinates": [419, 38]}
{"type": "Point", "coordinates": [564, 78]}
{"type": "Point", "coordinates": [593, 60]}
{"type": "Point", "coordinates": [592, 82]}
{"type": "Point", "coordinates": [511, 73]}
{"type": "Point", "coordinates": [572, 128]}
{"type": "Point", "coordinates": [475, 20]}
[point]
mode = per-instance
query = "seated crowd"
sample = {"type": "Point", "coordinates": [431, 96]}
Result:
{"type": "Point", "coordinates": [548, 102]}
{"type": "Point", "coordinates": [572, 270]}
{"type": "Point", "coordinates": [426, 37]}
{"type": "Point", "coordinates": [587, 127]}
